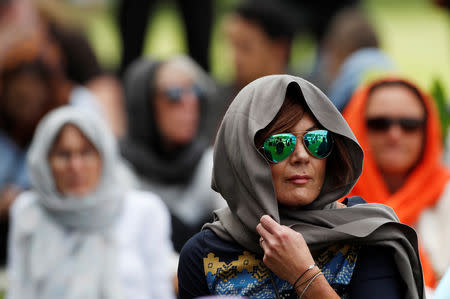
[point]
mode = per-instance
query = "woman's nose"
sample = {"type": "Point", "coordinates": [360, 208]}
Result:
{"type": "Point", "coordinates": [395, 131]}
{"type": "Point", "coordinates": [300, 154]}
{"type": "Point", "coordinates": [76, 162]}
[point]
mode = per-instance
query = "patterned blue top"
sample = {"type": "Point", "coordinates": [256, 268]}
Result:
{"type": "Point", "coordinates": [209, 265]}
{"type": "Point", "coordinates": [248, 276]}
{"type": "Point", "coordinates": [245, 276]}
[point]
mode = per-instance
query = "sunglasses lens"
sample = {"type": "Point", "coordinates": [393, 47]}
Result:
{"type": "Point", "coordinates": [278, 147]}
{"type": "Point", "coordinates": [411, 124]}
{"type": "Point", "coordinates": [384, 123]}
{"type": "Point", "coordinates": [319, 143]}
{"type": "Point", "coordinates": [379, 123]}
{"type": "Point", "coordinates": [197, 91]}
{"type": "Point", "coordinates": [173, 93]}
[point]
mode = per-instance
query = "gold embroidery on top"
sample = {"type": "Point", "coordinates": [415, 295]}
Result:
{"type": "Point", "coordinates": [348, 251]}
{"type": "Point", "coordinates": [246, 261]}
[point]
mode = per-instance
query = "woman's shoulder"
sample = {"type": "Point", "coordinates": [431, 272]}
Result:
{"type": "Point", "coordinates": [26, 213]}
{"type": "Point", "coordinates": [206, 242]}
{"type": "Point", "coordinates": [27, 200]}
{"type": "Point", "coordinates": [376, 274]}
{"type": "Point", "coordinates": [144, 200]}
{"type": "Point", "coordinates": [144, 207]}
{"type": "Point", "coordinates": [376, 261]}
{"type": "Point", "coordinates": [206, 245]}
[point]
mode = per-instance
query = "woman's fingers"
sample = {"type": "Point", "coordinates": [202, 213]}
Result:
{"type": "Point", "coordinates": [269, 224]}
{"type": "Point", "coordinates": [267, 227]}
{"type": "Point", "coordinates": [265, 235]}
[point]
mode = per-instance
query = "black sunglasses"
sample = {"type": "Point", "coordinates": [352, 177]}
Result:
{"type": "Point", "coordinates": [385, 123]}
{"type": "Point", "coordinates": [175, 93]}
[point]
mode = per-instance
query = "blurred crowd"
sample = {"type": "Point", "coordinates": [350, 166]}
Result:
{"type": "Point", "coordinates": [105, 174]}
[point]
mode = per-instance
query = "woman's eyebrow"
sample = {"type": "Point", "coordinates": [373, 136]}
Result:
{"type": "Point", "coordinates": [309, 129]}
{"type": "Point", "coordinates": [313, 127]}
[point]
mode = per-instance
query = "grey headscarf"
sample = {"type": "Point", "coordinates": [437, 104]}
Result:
{"type": "Point", "coordinates": [141, 146]}
{"type": "Point", "coordinates": [242, 176]}
{"type": "Point", "coordinates": [81, 264]}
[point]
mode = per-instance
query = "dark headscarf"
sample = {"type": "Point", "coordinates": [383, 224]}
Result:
{"type": "Point", "coordinates": [243, 177]}
{"type": "Point", "coordinates": [142, 145]}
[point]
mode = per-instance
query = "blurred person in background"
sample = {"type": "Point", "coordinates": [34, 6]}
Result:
{"type": "Point", "coordinates": [31, 84]}
{"type": "Point", "coordinates": [260, 33]}
{"type": "Point", "coordinates": [21, 18]}
{"type": "Point", "coordinates": [443, 288]}
{"type": "Point", "coordinates": [359, 67]}
{"type": "Point", "coordinates": [397, 125]}
{"type": "Point", "coordinates": [349, 31]}
{"type": "Point", "coordinates": [133, 18]}
{"type": "Point", "coordinates": [83, 231]}
{"type": "Point", "coordinates": [314, 17]}
{"type": "Point", "coordinates": [167, 142]}
{"type": "Point", "coordinates": [283, 157]}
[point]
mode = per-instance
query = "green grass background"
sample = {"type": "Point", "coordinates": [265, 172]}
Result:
{"type": "Point", "coordinates": [415, 33]}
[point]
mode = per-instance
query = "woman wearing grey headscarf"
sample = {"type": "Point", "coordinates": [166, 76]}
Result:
{"type": "Point", "coordinates": [83, 232]}
{"type": "Point", "coordinates": [283, 158]}
{"type": "Point", "coordinates": [169, 106]}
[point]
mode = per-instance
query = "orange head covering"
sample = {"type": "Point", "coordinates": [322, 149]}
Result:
{"type": "Point", "coordinates": [426, 181]}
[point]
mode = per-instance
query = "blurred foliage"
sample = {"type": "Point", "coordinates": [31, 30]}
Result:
{"type": "Point", "coordinates": [438, 93]}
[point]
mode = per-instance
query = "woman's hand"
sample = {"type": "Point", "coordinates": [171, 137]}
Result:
{"type": "Point", "coordinates": [285, 251]}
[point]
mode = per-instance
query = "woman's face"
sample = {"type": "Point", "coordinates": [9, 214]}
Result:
{"type": "Point", "coordinates": [177, 106]}
{"type": "Point", "coordinates": [299, 178]}
{"type": "Point", "coordinates": [395, 149]}
{"type": "Point", "coordinates": [75, 163]}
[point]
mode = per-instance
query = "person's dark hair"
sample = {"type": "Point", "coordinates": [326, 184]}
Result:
{"type": "Point", "coordinates": [56, 97]}
{"type": "Point", "coordinates": [273, 17]}
{"type": "Point", "coordinates": [291, 112]}
{"type": "Point", "coordinates": [350, 30]}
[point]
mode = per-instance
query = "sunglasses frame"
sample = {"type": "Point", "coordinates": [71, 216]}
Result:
{"type": "Point", "coordinates": [384, 124]}
{"type": "Point", "coordinates": [169, 92]}
{"type": "Point", "coordinates": [296, 135]}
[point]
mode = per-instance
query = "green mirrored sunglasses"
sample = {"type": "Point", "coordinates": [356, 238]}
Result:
{"type": "Point", "coordinates": [278, 147]}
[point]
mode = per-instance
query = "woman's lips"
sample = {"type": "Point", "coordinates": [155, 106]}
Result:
{"type": "Point", "coordinates": [299, 179]}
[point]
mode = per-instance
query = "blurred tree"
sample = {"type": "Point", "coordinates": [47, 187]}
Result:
{"type": "Point", "coordinates": [438, 93]}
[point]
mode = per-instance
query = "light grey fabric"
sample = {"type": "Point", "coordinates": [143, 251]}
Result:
{"type": "Point", "coordinates": [96, 210]}
{"type": "Point", "coordinates": [84, 265]}
{"type": "Point", "coordinates": [243, 177]}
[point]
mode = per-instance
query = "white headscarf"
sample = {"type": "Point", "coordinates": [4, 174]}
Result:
{"type": "Point", "coordinates": [67, 243]}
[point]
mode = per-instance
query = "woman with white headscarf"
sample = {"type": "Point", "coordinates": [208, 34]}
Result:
{"type": "Point", "coordinates": [82, 232]}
